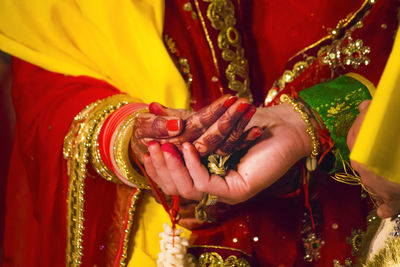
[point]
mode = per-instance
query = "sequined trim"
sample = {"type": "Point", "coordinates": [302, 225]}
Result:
{"type": "Point", "coordinates": [221, 14]}
{"type": "Point", "coordinates": [221, 247]}
{"type": "Point", "coordinates": [213, 259]}
{"type": "Point", "coordinates": [337, 34]}
{"type": "Point", "coordinates": [76, 151]}
{"type": "Point", "coordinates": [210, 44]}
{"type": "Point", "coordinates": [287, 77]}
{"type": "Point", "coordinates": [183, 62]}
{"type": "Point", "coordinates": [128, 229]}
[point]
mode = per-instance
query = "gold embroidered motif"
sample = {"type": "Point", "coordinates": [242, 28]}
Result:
{"type": "Point", "coordinates": [332, 51]}
{"type": "Point", "coordinates": [213, 259]}
{"type": "Point", "coordinates": [209, 42]}
{"type": "Point", "coordinates": [128, 229]}
{"type": "Point", "coordinates": [76, 151]}
{"type": "Point", "coordinates": [221, 14]}
{"type": "Point", "coordinates": [287, 77]}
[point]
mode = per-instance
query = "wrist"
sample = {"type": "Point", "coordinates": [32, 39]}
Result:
{"type": "Point", "coordinates": [306, 127]}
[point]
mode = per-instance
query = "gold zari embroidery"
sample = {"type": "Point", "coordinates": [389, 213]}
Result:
{"type": "Point", "coordinates": [213, 259]}
{"type": "Point", "coordinates": [221, 13]}
{"type": "Point", "coordinates": [128, 229]}
{"type": "Point", "coordinates": [76, 151]}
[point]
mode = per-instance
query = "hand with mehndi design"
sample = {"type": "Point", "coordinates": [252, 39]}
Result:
{"type": "Point", "coordinates": [207, 128]}
{"type": "Point", "coordinates": [218, 126]}
{"type": "Point", "coordinates": [283, 143]}
{"type": "Point", "coordinates": [385, 193]}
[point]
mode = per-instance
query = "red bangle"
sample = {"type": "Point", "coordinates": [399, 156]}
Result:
{"type": "Point", "coordinates": [110, 125]}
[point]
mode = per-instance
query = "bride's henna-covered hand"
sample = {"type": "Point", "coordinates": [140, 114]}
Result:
{"type": "Point", "coordinates": [217, 126]}
{"type": "Point", "coordinates": [283, 144]}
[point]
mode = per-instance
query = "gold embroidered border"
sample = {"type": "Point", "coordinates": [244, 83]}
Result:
{"type": "Point", "coordinates": [127, 232]}
{"type": "Point", "coordinates": [220, 247]}
{"type": "Point", "coordinates": [213, 259]}
{"type": "Point", "coordinates": [221, 14]}
{"type": "Point", "coordinates": [76, 147]}
{"type": "Point", "coordinates": [210, 44]}
{"type": "Point", "coordinates": [289, 75]}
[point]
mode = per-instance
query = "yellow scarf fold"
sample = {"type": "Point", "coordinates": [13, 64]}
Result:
{"type": "Point", "coordinates": [378, 142]}
{"type": "Point", "coordinates": [116, 41]}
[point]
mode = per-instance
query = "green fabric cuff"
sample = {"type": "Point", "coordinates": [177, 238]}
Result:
{"type": "Point", "coordinates": [336, 102]}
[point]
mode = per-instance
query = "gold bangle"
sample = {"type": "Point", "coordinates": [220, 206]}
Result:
{"type": "Point", "coordinates": [311, 162]}
{"type": "Point", "coordinates": [121, 151]}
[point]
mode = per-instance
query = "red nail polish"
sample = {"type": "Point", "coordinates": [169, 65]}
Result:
{"type": "Point", "coordinates": [172, 150]}
{"type": "Point", "coordinates": [250, 113]}
{"type": "Point", "coordinates": [242, 107]}
{"type": "Point", "coordinates": [156, 108]}
{"type": "Point", "coordinates": [151, 143]}
{"type": "Point", "coordinates": [173, 125]}
{"type": "Point", "coordinates": [257, 134]}
{"type": "Point", "coordinates": [229, 102]}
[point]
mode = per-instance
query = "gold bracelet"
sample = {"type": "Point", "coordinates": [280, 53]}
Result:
{"type": "Point", "coordinates": [311, 162]}
{"type": "Point", "coordinates": [121, 151]}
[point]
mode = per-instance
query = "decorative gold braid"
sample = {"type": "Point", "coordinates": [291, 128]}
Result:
{"type": "Point", "coordinates": [221, 14]}
{"type": "Point", "coordinates": [310, 128]}
{"type": "Point", "coordinates": [213, 259]}
{"type": "Point", "coordinates": [127, 232]}
{"type": "Point", "coordinates": [77, 144]}
{"type": "Point", "coordinates": [121, 151]}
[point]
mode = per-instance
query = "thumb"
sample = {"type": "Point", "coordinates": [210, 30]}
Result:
{"type": "Point", "coordinates": [158, 109]}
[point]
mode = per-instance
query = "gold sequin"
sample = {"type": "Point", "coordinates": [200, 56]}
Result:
{"type": "Point", "coordinates": [221, 14]}
{"type": "Point", "coordinates": [76, 147]}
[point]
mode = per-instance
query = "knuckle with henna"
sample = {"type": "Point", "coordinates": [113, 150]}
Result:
{"type": "Point", "coordinates": [159, 126]}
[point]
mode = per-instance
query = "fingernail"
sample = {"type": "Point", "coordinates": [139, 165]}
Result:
{"type": "Point", "coordinates": [156, 108]}
{"type": "Point", "coordinates": [257, 133]}
{"type": "Point", "coordinates": [190, 148]}
{"type": "Point", "coordinates": [172, 150]}
{"type": "Point", "coordinates": [229, 102]}
{"type": "Point", "coordinates": [151, 143]}
{"type": "Point", "coordinates": [250, 113]}
{"type": "Point", "coordinates": [173, 125]}
{"type": "Point", "coordinates": [243, 106]}
{"type": "Point", "coordinates": [145, 156]}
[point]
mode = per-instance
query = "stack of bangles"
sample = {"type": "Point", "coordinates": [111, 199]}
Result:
{"type": "Point", "coordinates": [110, 147]}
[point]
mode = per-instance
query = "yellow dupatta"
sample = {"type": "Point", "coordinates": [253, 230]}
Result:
{"type": "Point", "coordinates": [118, 41]}
{"type": "Point", "coordinates": [378, 142]}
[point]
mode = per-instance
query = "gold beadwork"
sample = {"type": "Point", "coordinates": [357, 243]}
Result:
{"type": "Point", "coordinates": [310, 128]}
{"type": "Point", "coordinates": [121, 151]}
{"type": "Point", "coordinates": [221, 14]}
{"type": "Point", "coordinates": [127, 232]}
{"type": "Point", "coordinates": [77, 144]}
{"type": "Point", "coordinates": [214, 259]}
